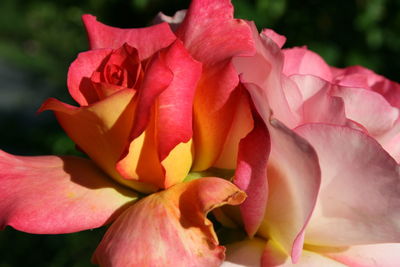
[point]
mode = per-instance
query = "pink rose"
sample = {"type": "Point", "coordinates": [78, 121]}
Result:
{"type": "Point", "coordinates": [333, 180]}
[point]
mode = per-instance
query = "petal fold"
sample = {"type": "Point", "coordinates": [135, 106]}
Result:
{"type": "Point", "coordinates": [360, 191]}
{"type": "Point", "coordinates": [54, 195]}
{"type": "Point", "coordinates": [251, 175]}
{"type": "Point", "coordinates": [101, 130]}
{"type": "Point", "coordinates": [146, 40]}
{"type": "Point", "coordinates": [213, 37]}
{"type": "Point", "coordinates": [169, 228]}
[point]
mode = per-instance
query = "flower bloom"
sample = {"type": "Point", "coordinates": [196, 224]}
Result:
{"type": "Point", "coordinates": [314, 148]}
{"type": "Point", "coordinates": [339, 206]}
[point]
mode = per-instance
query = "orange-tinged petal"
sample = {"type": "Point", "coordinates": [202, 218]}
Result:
{"type": "Point", "coordinates": [101, 130]}
{"type": "Point", "coordinates": [213, 37]}
{"type": "Point", "coordinates": [164, 113]}
{"type": "Point", "coordinates": [52, 195]}
{"type": "Point", "coordinates": [241, 125]}
{"type": "Point", "coordinates": [169, 228]}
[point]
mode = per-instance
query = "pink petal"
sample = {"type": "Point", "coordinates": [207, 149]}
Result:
{"type": "Point", "coordinates": [385, 255]}
{"type": "Point", "coordinates": [146, 40]}
{"type": "Point", "coordinates": [293, 172]}
{"type": "Point", "coordinates": [169, 86]}
{"type": "Point", "coordinates": [53, 195]}
{"type": "Point", "coordinates": [369, 109]}
{"type": "Point", "coordinates": [213, 37]}
{"type": "Point", "coordinates": [318, 103]}
{"type": "Point", "coordinates": [300, 60]}
{"type": "Point", "coordinates": [258, 252]}
{"type": "Point", "coordinates": [251, 175]}
{"type": "Point", "coordinates": [79, 85]}
{"type": "Point", "coordinates": [360, 191]}
{"type": "Point", "coordinates": [268, 76]}
{"type": "Point", "coordinates": [357, 76]}
{"type": "Point", "coordinates": [280, 40]}
{"type": "Point", "coordinates": [169, 228]}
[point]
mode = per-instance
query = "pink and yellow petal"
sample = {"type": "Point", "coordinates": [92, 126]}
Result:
{"type": "Point", "coordinates": [101, 130]}
{"type": "Point", "coordinates": [146, 40]}
{"type": "Point", "coordinates": [170, 103]}
{"type": "Point", "coordinates": [260, 253]}
{"type": "Point", "coordinates": [293, 171]}
{"type": "Point", "coordinates": [53, 195]}
{"type": "Point", "coordinates": [356, 166]}
{"type": "Point", "coordinates": [213, 37]}
{"type": "Point", "coordinates": [385, 255]}
{"type": "Point", "coordinates": [169, 228]}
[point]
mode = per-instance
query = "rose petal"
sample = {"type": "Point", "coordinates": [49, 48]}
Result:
{"type": "Point", "coordinates": [268, 76]}
{"type": "Point", "coordinates": [387, 255]}
{"type": "Point", "coordinates": [360, 191]}
{"type": "Point", "coordinates": [258, 252]}
{"type": "Point", "coordinates": [293, 172]}
{"type": "Point", "coordinates": [169, 228]}
{"type": "Point", "coordinates": [79, 85]}
{"type": "Point", "coordinates": [274, 256]}
{"type": "Point", "coordinates": [318, 103]}
{"type": "Point", "coordinates": [369, 109]}
{"type": "Point", "coordinates": [213, 37]}
{"type": "Point", "coordinates": [300, 60]}
{"type": "Point", "coordinates": [280, 40]}
{"type": "Point", "coordinates": [251, 175]}
{"type": "Point", "coordinates": [101, 130]}
{"type": "Point", "coordinates": [169, 87]}
{"type": "Point", "coordinates": [242, 125]}
{"type": "Point", "coordinates": [53, 195]}
{"type": "Point", "coordinates": [146, 40]}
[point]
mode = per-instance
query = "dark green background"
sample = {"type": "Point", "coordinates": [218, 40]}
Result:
{"type": "Point", "coordinates": [39, 39]}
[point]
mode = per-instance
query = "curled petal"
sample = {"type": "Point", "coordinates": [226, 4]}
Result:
{"type": "Point", "coordinates": [360, 191]}
{"type": "Point", "coordinates": [167, 95]}
{"type": "Point", "coordinates": [53, 195]}
{"type": "Point", "coordinates": [101, 130]}
{"type": "Point", "coordinates": [280, 40]}
{"type": "Point", "coordinates": [169, 228]}
{"type": "Point", "coordinates": [369, 109]}
{"type": "Point", "coordinates": [213, 37]}
{"type": "Point", "coordinates": [251, 175]}
{"type": "Point", "coordinates": [318, 103]}
{"type": "Point", "coordinates": [300, 60]}
{"type": "Point", "coordinates": [79, 85]}
{"type": "Point", "coordinates": [146, 40]}
{"type": "Point", "coordinates": [268, 77]}
{"type": "Point", "coordinates": [293, 171]}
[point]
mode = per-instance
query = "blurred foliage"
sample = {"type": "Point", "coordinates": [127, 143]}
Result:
{"type": "Point", "coordinates": [40, 38]}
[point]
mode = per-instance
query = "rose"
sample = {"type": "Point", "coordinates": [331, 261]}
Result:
{"type": "Point", "coordinates": [339, 201]}
{"type": "Point", "coordinates": [136, 89]}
